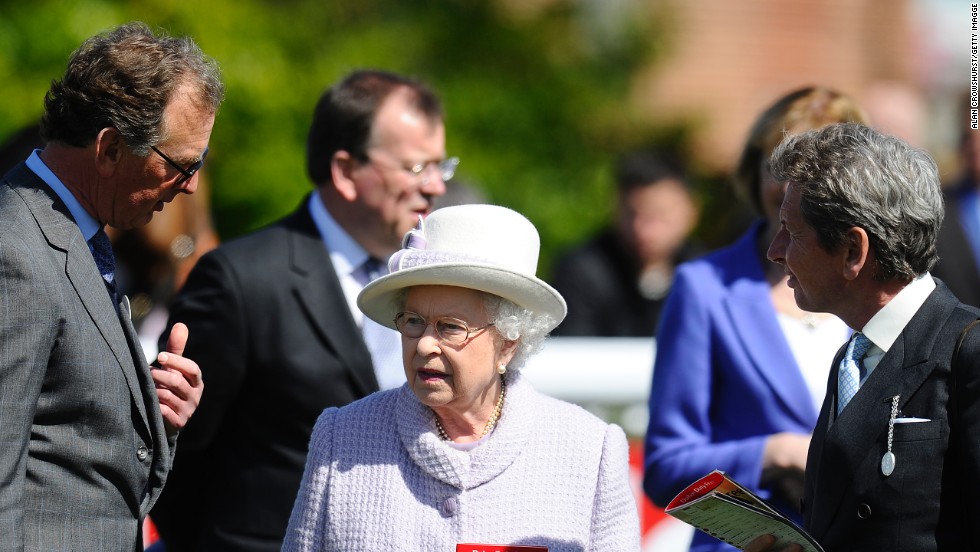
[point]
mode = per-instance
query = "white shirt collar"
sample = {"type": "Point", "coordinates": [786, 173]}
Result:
{"type": "Point", "coordinates": [86, 222]}
{"type": "Point", "coordinates": [345, 253]}
{"type": "Point", "coordinates": [886, 325]}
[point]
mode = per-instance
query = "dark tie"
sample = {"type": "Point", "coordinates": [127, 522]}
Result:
{"type": "Point", "coordinates": [849, 378]}
{"type": "Point", "coordinates": [371, 270]}
{"type": "Point", "coordinates": [104, 260]}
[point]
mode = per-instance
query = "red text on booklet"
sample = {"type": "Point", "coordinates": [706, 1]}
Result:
{"type": "Point", "coordinates": [698, 489]}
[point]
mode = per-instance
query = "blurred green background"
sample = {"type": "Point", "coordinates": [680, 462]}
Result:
{"type": "Point", "coordinates": [536, 99]}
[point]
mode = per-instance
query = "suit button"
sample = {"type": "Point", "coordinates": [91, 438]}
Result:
{"type": "Point", "coordinates": [864, 511]}
{"type": "Point", "coordinates": [142, 452]}
{"type": "Point", "coordinates": [449, 507]}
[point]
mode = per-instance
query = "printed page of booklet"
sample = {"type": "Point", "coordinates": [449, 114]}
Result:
{"type": "Point", "coordinates": [721, 507]}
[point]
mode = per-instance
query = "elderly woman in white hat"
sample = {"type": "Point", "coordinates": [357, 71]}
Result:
{"type": "Point", "coordinates": [466, 451]}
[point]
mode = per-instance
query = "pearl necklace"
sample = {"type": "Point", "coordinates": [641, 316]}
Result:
{"type": "Point", "coordinates": [490, 423]}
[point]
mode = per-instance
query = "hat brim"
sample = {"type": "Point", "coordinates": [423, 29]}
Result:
{"type": "Point", "coordinates": [377, 299]}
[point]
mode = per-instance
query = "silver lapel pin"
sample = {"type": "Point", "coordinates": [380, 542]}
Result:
{"type": "Point", "coordinates": [888, 459]}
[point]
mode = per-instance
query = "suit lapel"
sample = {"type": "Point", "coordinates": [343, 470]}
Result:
{"type": "Point", "coordinates": [63, 235]}
{"type": "Point", "coordinates": [88, 284]}
{"type": "Point", "coordinates": [753, 321]}
{"type": "Point", "coordinates": [750, 309]}
{"type": "Point", "coordinates": [318, 291]}
{"type": "Point", "coordinates": [144, 379]}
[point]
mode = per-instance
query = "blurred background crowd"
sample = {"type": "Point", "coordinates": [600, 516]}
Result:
{"type": "Point", "coordinates": [541, 96]}
{"type": "Point", "coordinates": [614, 125]}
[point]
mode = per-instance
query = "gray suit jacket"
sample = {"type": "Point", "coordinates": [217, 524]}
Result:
{"type": "Point", "coordinates": [83, 450]}
{"type": "Point", "coordinates": [928, 502]}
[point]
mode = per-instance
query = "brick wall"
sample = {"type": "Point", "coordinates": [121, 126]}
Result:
{"type": "Point", "coordinates": [728, 59]}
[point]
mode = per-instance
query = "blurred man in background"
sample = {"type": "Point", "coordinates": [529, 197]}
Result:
{"type": "Point", "coordinates": [273, 316]}
{"type": "Point", "coordinates": [616, 283]}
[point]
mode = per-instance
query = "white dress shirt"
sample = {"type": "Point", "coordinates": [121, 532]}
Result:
{"type": "Point", "coordinates": [347, 257]}
{"type": "Point", "coordinates": [887, 324]}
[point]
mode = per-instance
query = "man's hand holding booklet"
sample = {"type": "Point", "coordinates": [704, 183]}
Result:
{"type": "Point", "coordinates": [719, 506]}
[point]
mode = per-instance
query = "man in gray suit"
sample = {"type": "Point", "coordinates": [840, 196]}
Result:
{"type": "Point", "coordinates": [895, 454]}
{"type": "Point", "coordinates": [87, 428]}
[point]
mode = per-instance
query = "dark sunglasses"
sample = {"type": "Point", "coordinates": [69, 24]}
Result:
{"type": "Point", "coordinates": [185, 174]}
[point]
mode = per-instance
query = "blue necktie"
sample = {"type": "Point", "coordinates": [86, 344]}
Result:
{"type": "Point", "coordinates": [101, 249]}
{"type": "Point", "coordinates": [849, 377]}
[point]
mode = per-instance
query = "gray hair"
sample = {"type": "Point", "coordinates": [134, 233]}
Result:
{"type": "Point", "coordinates": [849, 175]}
{"type": "Point", "coordinates": [516, 323]}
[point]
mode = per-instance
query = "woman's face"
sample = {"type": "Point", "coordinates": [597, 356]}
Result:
{"type": "Point", "coordinates": [461, 378]}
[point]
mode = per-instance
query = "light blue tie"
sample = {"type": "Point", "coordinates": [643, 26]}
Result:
{"type": "Point", "coordinates": [849, 377]}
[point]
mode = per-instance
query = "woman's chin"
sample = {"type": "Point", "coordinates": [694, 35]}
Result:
{"type": "Point", "coordinates": [432, 393]}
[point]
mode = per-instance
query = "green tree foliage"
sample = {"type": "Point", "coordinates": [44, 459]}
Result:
{"type": "Point", "coordinates": [535, 92]}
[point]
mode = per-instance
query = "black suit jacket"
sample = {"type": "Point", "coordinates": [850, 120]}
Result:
{"type": "Point", "coordinates": [276, 342]}
{"type": "Point", "coordinates": [957, 264]}
{"type": "Point", "coordinates": [928, 502]}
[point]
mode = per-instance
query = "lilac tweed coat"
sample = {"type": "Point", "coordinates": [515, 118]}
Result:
{"type": "Point", "coordinates": [378, 477]}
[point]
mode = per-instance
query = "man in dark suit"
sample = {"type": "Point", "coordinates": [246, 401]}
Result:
{"type": "Point", "coordinates": [87, 429]}
{"type": "Point", "coordinates": [273, 319]}
{"type": "Point", "coordinates": [895, 456]}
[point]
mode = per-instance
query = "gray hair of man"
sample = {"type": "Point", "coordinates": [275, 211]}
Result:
{"type": "Point", "coordinates": [511, 322]}
{"type": "Point", "coordinates": [850, 175]}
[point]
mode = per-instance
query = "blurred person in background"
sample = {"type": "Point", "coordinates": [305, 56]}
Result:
{"type": "Point", "coordinates": [959, 239]}
{"type": "Point", "coordinates": [466, 451]}
{"type": "Point", "coordinates": [273, 318]}
{"type": "Point", "coordinates": [87, 429]}
{"type": "Point", "coordinates": [741, 370]}
{"type": "Point", "coordinates": [616, 283]}
{"type": "Point", "coordinates": [898, 109]}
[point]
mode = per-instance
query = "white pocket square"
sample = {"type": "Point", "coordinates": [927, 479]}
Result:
{"type": "Point", "coordinates": [911, 420]}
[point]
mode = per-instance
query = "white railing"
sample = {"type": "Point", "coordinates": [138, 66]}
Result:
{"type": "Point", "coordinates": [609, 376]}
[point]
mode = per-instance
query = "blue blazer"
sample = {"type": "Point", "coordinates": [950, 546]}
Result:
{"type": "Point", "coordinates": [724, 379]}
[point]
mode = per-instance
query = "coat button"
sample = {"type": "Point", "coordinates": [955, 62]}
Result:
{"type": "Point", "coordinates": [449, 507]}
{"type": "Point", "coordinates": [864, 511]}
{"type": "Point", "coordinates": [142, 452]}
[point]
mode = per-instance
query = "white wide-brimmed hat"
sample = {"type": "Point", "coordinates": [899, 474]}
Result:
{"type": "Point", "coordinates": [482, 247]}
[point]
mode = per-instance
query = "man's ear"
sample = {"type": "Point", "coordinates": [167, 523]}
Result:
{"type": "Point", "coordinates": [857, 250]}
{"type": "Point", "coordinates": [341, 168]}
{"type": "Point", "coordinates": [109, 150]}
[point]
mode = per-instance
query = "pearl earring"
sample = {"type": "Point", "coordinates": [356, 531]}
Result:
{"type": "Point", "coordinates": [501, 368]}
